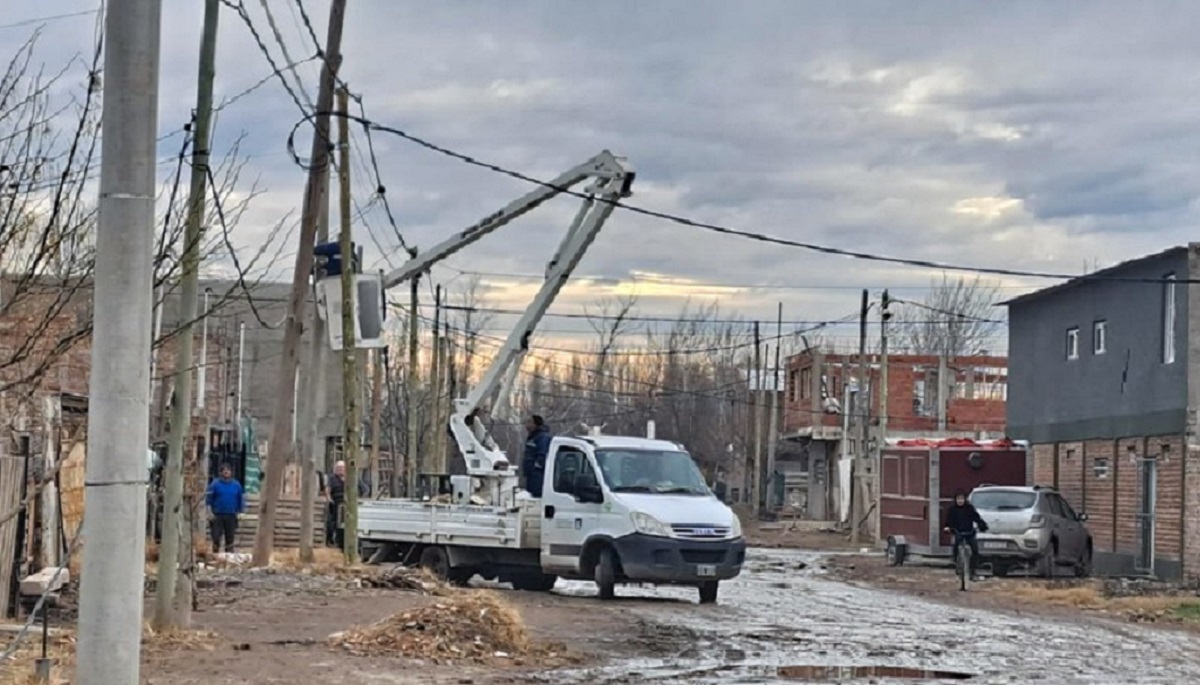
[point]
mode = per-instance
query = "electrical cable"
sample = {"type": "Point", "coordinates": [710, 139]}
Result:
{"type": "Point", "coordinates": [718, 228]}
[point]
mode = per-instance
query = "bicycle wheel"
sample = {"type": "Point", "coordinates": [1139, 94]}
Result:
{"type": "Point", "coordinates": [964, 566]}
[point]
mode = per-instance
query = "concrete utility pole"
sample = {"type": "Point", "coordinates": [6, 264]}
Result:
{"type": "Point", "coordinates": [858, 504]}
{"type": "Point", "coordinates": [412, 460]}
{"type": "Point", "coordinates": [114, 556]}
{"type": "Point", "coordinates": [885, 316]}
{"type": "Point", "coordinates": [352, 433]}
{"type": "Point", "coordinates": [280, 444]}
{"type": "Point", "coordinates": [756, 399]}
{"type": "Point", "coordinates": [435, 371]}
{"type": "Point", "coordinates": [174, 536]}
{"type": "Point", "coordinates": [773, 445]}
{"type": "Point", "coordinates": [376, 418]}
{"type": "Point", "coordinates": [314, 375]}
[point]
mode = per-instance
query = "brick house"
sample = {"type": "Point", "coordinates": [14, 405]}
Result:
{"type": "Point", "coordinates": [1105, 384]}
{"type": "Point", "coordinates": [815, 395]}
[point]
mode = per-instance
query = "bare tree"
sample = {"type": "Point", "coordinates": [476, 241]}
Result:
{"type": "Point", "coordinates": [954, 319]}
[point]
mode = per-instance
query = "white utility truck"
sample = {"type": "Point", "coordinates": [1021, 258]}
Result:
{"type": "Point", "coordinates": [616, 510]}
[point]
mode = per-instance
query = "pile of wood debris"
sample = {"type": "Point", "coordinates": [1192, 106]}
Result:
{"type": "Point", "coordinates": [475, 626]}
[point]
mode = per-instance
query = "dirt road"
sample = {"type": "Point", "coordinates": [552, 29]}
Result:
{"type": "Point", "coordinates": [782, 613]}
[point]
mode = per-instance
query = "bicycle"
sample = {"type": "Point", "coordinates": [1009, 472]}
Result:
{"type": "Point", "coordinates": [962, 559]}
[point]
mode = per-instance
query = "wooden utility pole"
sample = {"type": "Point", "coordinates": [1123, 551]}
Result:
{"type": "Point", "coordinates": [314, 378]}
{"type": "Point", "coordinates": [756, 399]}
{"type": "Point", "coordinates": [353, 421]}
{"type": "Point", "coordinates": [174, 535]}
{"type": "Point", "coordinates": [877, 471]}
{"type": "Point", "coordinates": [773, 430]}
{"type": "Point", "coordinates": [445, 387]}
{"type": "Point", "coordinates": [280, 443]}
{"type": "Point", "coordinates": [412, 459]}
{"type": "Point", "coordinates": [863, 410]}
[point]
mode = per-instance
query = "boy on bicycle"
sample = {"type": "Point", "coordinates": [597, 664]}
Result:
{"type": "Point", "coordinates": [961, 520]}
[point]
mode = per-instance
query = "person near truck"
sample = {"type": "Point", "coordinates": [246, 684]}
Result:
{"type": "Point", "coordinates": [537, 448]}
{"type": "Point", "coordinates": [961, 520]}
{"type": "Point", "coordinates": [226, 501]}
{"type": "Point", "coordinates": [335, 495]}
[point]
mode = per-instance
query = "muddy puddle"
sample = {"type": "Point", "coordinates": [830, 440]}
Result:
{"type": "Point", "coordinates": [782, 622]}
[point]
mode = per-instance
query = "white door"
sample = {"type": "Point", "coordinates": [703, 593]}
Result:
{"type": "Point", "coordinates": [566, 522]}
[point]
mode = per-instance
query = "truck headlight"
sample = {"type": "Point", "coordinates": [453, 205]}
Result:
{"type": "Point", "coordinates": [735, 531]}
{"type": "Point", "coordinates": [648, 525]}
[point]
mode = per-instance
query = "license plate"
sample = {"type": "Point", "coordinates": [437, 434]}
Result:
{"type": "Point", "coordinates": [706, 570]}
{"type": "Point", "coordinates": [995, 545]}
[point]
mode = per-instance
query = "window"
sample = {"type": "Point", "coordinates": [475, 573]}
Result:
{"type": "Point", "coordinates": [1100, 468]}
{"type": "Point", "coordinates": [792, 381]}
{"type": "Point", "coordinates": [1003, 500]}
{"type": "Point", "coordinates": [1099, 337]}
{"type": "Point", "coordinates": [1168, 333]}
{"type": "Point", "coordinates": [1055, 504]}
{"type": "Point", "coordinates": [806, 382]}
{"type": "Point", "coordinates": [651, 472]}
{"type": "Point", "coordinates": [1072, 343]}
{"type": "Point", "coordinates": [567, 465]}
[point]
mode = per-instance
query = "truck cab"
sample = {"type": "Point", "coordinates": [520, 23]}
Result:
{"type": "Point", "coordinates": [632, 510]}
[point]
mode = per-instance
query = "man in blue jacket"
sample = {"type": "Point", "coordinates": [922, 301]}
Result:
{"type": "Point", "coordinates": [225, 501]}
{"type": "Point", "coordinates": [537, 448]}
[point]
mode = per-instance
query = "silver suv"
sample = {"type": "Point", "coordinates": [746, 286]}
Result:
{"type": "Point", "coordinates": [1031, 526]}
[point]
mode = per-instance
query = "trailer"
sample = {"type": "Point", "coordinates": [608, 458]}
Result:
{"type": "Point", "coordinates": [613, 510]}
{"type": "Point", "coordinates": [919, 478]}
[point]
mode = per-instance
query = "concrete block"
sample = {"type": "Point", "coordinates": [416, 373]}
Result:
{"type": "Point", "coordinates": [45, 581]}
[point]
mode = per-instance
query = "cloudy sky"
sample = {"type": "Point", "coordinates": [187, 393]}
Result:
{"type": "Point", "coordinates": [1029, 135]}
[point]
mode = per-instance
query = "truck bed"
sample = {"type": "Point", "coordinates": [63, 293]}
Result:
{"type": "Point", "coordinates": [470, 525]}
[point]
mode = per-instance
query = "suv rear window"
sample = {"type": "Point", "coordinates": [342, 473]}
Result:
{"type": "Point", "coordinates": [1003, 500]}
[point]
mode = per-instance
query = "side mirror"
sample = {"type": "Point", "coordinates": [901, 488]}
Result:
{"type": "Point", "coordinates": [1083, 517]}
{"type": "Point", "coordinates": [590, 494]}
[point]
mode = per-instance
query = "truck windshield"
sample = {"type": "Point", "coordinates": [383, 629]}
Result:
{"type": "Point", "coordinates": [651, 471]}
{"type": "Point", "coordinates": [1003, 500]}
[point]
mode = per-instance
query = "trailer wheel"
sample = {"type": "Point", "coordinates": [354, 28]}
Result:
{"type": "Point", "coordinates": [606, 573]}
{"type": "Point", "coordinates": [708, 592]}
{"type": "Point", "coordinates": [435, 560]}
{"type": "Point", "coordinates": [896, 551]}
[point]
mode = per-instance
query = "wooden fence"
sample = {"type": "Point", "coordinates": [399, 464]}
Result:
{"type": "Point", "coordinates": [287, 524]}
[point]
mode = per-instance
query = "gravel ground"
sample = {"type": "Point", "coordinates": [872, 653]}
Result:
{"type": "Point", "coordinates": [782, 613]}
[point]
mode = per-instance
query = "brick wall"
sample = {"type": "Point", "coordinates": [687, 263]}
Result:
{"type": "Point", "coordinates": [1168, 509]}
{"type": "Point", "coordinates": [1043, 465]}
{"type": "Point", "coordinates": [1103, 478]}
{"type": "Point", "coordinates": [1191, 518]}
{"type": "Point", "coordinates": [1099, 482]}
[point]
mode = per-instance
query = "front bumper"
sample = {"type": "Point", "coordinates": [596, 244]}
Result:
{"type": "Point", "coordinates": [1017, 547]}
{"type": "Point", "coordinates": [652, 559]}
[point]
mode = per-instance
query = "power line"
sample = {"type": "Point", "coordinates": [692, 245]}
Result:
{"type": "Point", "coordinates": [718, 228]}
{"type": "Point", "coordinates": [52, 17]}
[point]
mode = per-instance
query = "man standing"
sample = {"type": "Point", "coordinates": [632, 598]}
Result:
{"type": "Point", "coordinates": [537, 448]}
{"type": "Point", "coordinates": [225, 501]}
{"type": "Point", "coordinates": [335, 493]}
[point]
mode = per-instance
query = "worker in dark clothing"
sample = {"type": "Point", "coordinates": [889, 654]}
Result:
{"type": "Point", "coordinates": [335, 495]}
{"type": "Point", "coordinates": [226, 501]}
{"type": "Point", "coordinates": [961, 520]}
{"type": "Point", "coordinates": [537, 448]}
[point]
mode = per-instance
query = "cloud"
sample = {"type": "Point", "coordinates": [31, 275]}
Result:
{"type": "Point", "coordinates": [1024, 135]}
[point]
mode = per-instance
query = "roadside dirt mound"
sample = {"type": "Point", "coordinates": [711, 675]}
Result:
{"type": "Point", "coordinates": [476, 625]}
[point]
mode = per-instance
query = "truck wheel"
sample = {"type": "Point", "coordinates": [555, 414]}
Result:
{"type": "Point", "coordinates": [436, 561]}
{"type": "Point", "coordinates": [708, 592]}
{"type": "Point", "coordinates": [606, 573]}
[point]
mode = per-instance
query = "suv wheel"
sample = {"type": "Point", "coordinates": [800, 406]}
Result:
{"type": "Point", "coordinates": [1083, 569]}
{"type": "Point", "coordinates": [1048, 562]}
